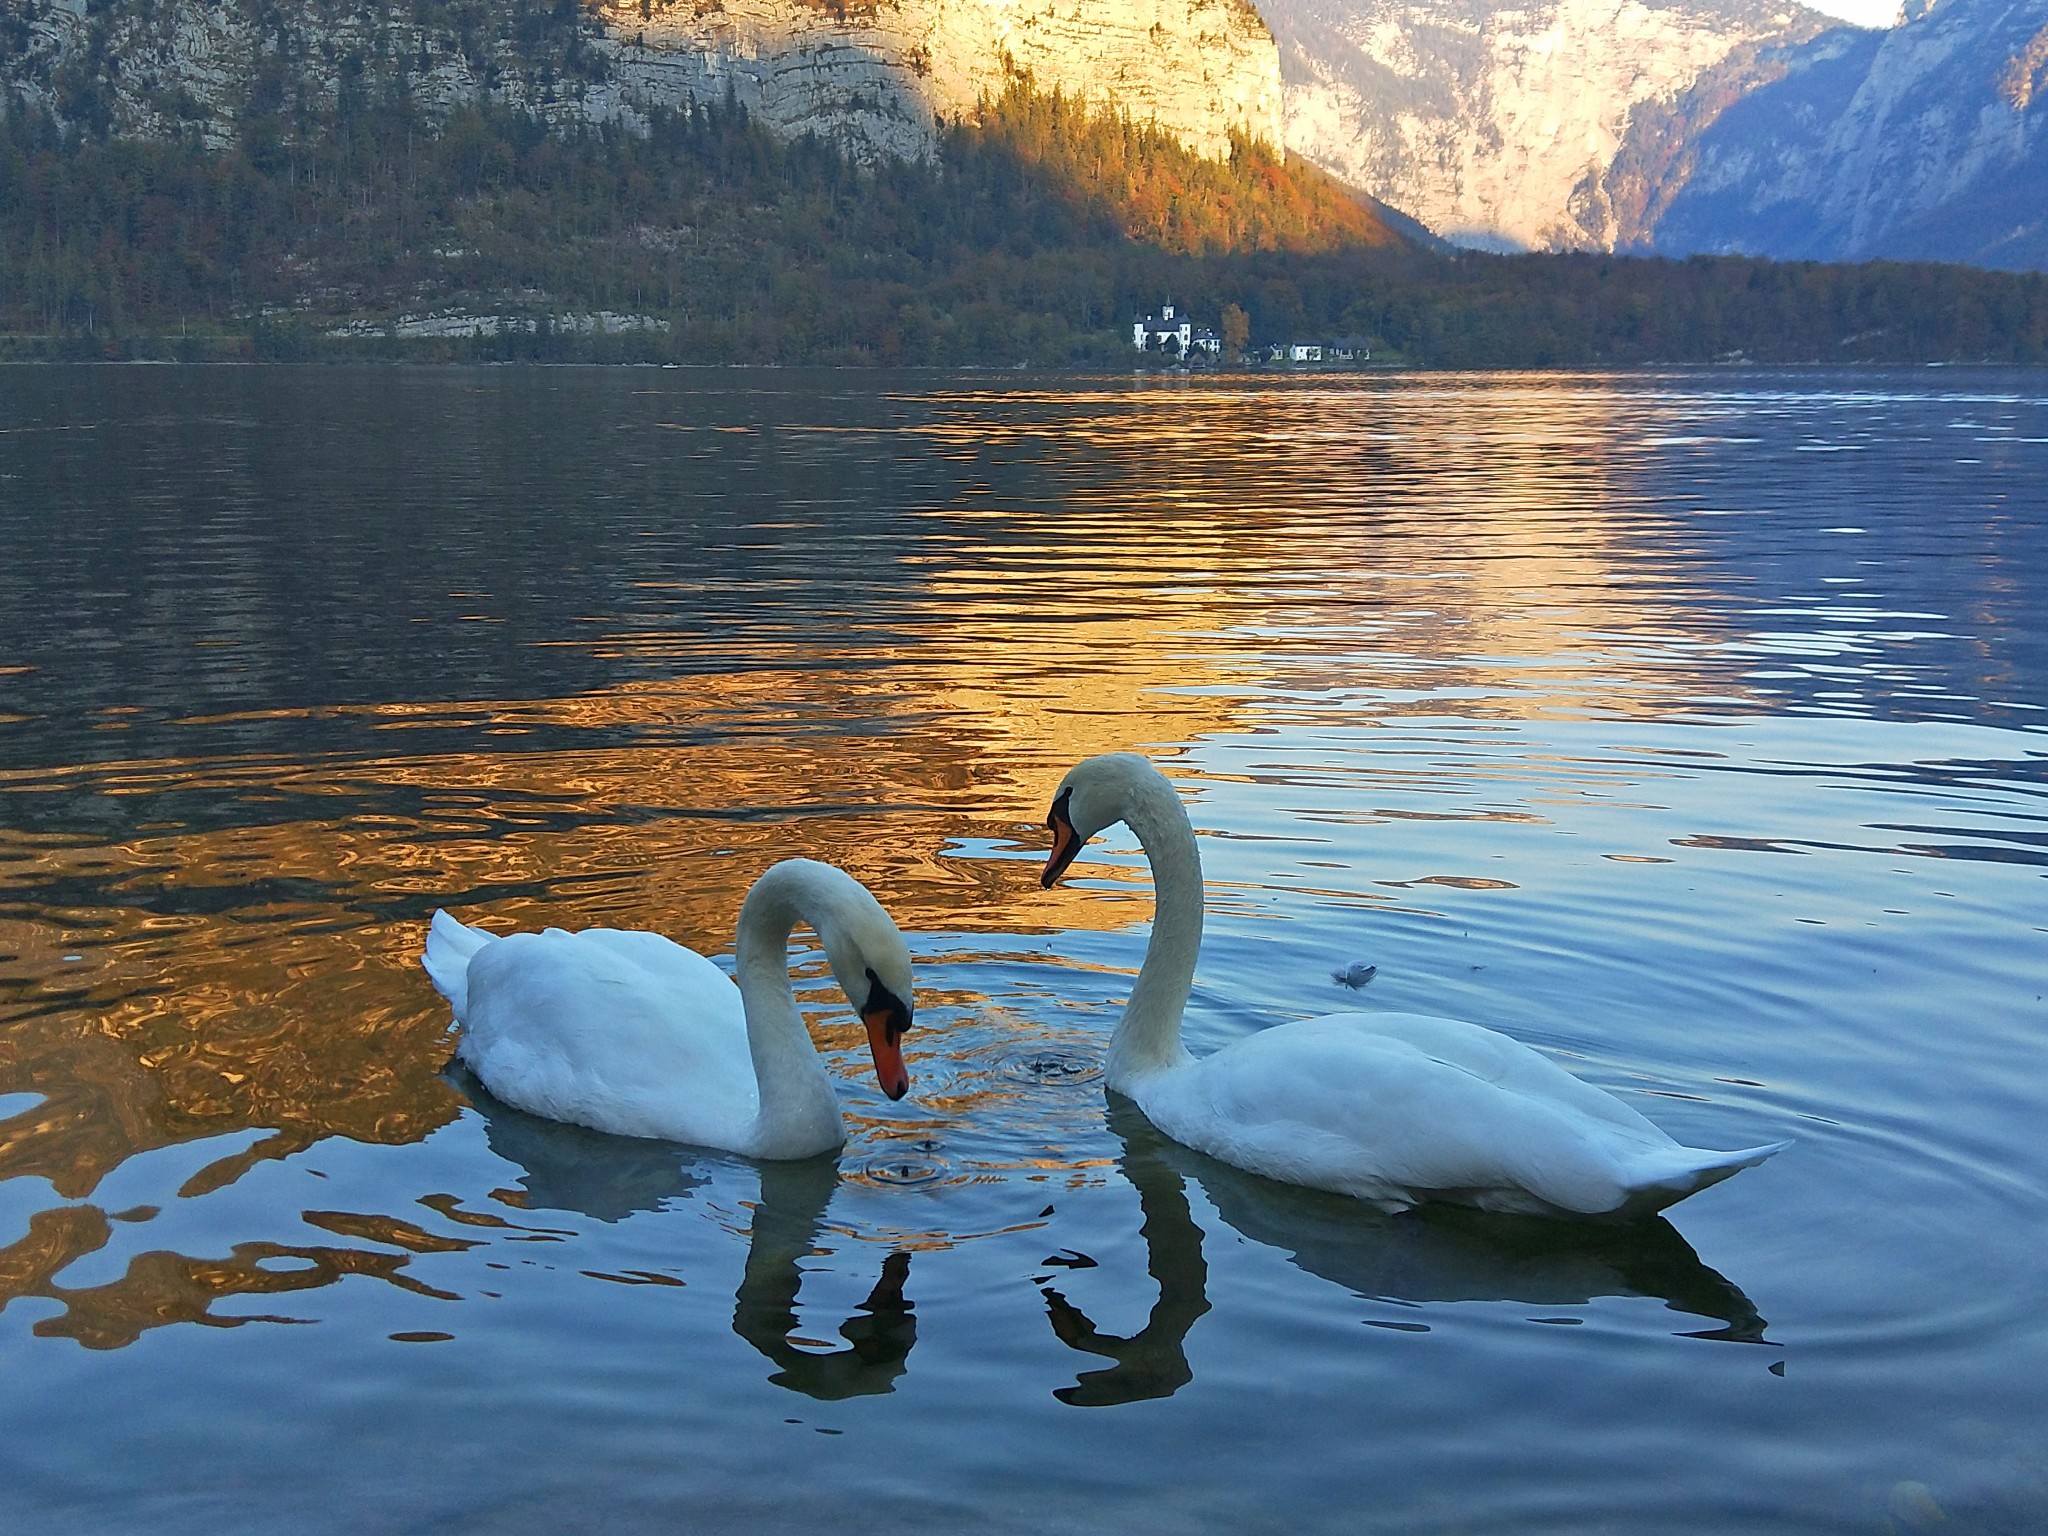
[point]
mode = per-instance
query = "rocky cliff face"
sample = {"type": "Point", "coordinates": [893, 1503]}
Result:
{"type": "Point", "coordinates": [1504, 125]}
{"type": "Point", "coordinates": [1928, 141]}
{"type": "Point", "coordinates": [870, 75]}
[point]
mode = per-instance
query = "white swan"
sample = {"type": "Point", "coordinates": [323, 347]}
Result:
{"type": "Point", "coordinates": [1393, 1108]}
{"type": "Point", "coordinates": [631, 1033]}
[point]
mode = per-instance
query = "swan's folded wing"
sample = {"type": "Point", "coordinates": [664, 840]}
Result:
{"type": "Point", "coordinates": [578, 1028]}
{"type": "Point", "coordinates": [1496, 1058]}
{"type": "Point", "coordinates": [1371, 1114]}
{"type": "Point", "coordinates": [669, 963]}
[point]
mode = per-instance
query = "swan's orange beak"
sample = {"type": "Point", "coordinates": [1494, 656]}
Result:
{"type": "Point", "coordinates": [887, 1017]}
{"type": "Point", "coordinates": [1066, 842]}
{"type": "Point", "coordinates": [889, 1069]}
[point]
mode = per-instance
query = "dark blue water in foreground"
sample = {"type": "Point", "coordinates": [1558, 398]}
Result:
{"type": "Point", "coordinates": [1692, 728]}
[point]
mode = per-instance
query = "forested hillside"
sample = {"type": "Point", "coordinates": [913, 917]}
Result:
{"type": "Point", "coordinates": [1032, 237]}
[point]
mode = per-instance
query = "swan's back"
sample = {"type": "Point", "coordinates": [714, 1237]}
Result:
{"type": "Point", "coordinates": [628, 1032]}
{"type": "Point", "coordinates": [1393, 1108]}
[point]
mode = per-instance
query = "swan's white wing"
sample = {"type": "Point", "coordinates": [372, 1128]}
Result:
{"type": "Point", "coordinates": [625, 1032]}
{"type": "Point", "coordinates": [671, 964]}
{"type": "Point", "coordinates": [1653, 1169]}
{"type": "Point", "coordinates": [1346, 1104]}
{"type": "Point", "coordinates": [1499, 1059]}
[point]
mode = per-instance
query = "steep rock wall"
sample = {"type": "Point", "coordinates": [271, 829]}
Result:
{"type": "Point", "coordinates": [870, 76]}
{"type": "Point", "coordinates": [1927, 141]}
{"type": "Point", "coordinates": [1498, 125]}
{"type": "Point", "coordinates": [873, 77]}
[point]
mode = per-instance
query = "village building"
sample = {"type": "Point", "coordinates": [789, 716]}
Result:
{"type": "Point", "coordinates": [1163, 332]}
{"type": "Point", "coordinates": [1172, 331]}
{"type": "Point", "coordinates": [1351, 349]}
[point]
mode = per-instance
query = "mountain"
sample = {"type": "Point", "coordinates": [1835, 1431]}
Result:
{"type": "Point", "coordinates": [1539, 126]}
{"type": "Point", "coordinates": [1929, 141]}
{"type": "Point", "coordinates": [868, 77]}
{"type": "Point", "coordinates": [528, 179]}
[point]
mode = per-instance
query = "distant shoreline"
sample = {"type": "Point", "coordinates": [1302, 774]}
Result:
{"type": "Point", "coordinates": [970, 370]}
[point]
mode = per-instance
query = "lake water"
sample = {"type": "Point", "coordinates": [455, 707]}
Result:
{"type": "Point", "coordinates": [1691, 728]}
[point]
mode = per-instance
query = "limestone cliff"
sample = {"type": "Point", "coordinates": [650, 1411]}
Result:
{"type": "Point", "coordinates": [1929, 141]}
{"type": "Point", "coordinates": [872, 76]}
{"type": "Point", "coordinates": [869, 75]}
{"type": "Point", "coordinates": [1500, 125]}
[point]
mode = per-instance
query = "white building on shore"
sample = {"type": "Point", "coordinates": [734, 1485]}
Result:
{"type": "Point", "coordinates": [1174, 332]}
{"type": "Point", "coordinates": [1163, 332]}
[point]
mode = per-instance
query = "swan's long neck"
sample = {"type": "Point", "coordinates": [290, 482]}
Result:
{"type": "Point", "coordinates": [798, 1113]}
{"type": "Point", "coordinates": [1147, 1038]}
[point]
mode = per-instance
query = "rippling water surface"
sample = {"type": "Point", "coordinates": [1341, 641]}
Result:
{"type": "Point", "coordinates": [1689, 728]}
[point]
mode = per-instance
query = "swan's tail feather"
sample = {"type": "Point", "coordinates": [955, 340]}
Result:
{"type": "Point", "coordinates": [1691, 1171]}
{"type": "Point", "coordinates": [450, 945]}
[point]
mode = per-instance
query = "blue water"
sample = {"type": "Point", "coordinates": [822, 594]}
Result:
{"type": "Point", "coordinates": [1692, 728]}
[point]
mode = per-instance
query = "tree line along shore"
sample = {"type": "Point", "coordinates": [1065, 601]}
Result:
{"type": "Point", "coordinates": [1040, 227]}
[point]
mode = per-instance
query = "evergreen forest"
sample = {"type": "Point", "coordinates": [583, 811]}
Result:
{"type": "Point", "coordinates": [1032, 237]}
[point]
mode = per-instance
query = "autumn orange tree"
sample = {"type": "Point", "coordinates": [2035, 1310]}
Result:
{"type": "Point", "coordinates": [1153, 188]}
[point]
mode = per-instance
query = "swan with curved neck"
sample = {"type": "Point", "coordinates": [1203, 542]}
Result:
{"type": "Point", "coordinates": [1392, 1108]}
{"type": "Point", "coordinates": [631, 1033]}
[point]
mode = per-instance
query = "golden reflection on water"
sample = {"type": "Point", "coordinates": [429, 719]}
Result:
{"type": "Point", "coordinates": [160, 1288]}
{"type": "Point", "coordinates": [189, 981]}
{"type": "Point", "coordinates": [1483, 538]}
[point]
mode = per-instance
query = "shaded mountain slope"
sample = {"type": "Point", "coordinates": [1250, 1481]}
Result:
{"type": "Point", "coordinates": [1929, 141]}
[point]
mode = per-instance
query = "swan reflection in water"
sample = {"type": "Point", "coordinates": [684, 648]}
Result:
{"type": "Point", "coordinates": [570, 1168]}
{"type": "Point", "coordinates": [1428, 1255]}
